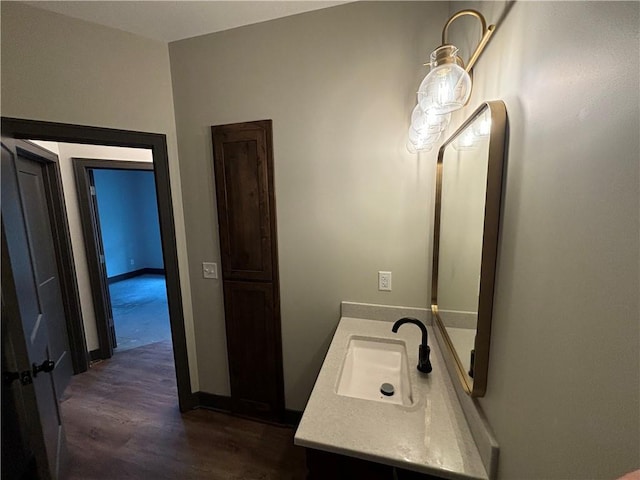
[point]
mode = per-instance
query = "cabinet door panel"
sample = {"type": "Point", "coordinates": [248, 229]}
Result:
{"type": "Point", "coordinates": [241, 163]}
{"type": "Point", "coordinates": [252, 341]}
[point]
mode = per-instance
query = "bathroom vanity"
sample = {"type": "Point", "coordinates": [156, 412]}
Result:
{"type": "Point", "coordinates": [421, 429]}
{"type": "Point", "coordinates": [372, 414]}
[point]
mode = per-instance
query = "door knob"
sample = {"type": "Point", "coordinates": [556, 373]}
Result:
{"type": "Point", "coordinates": [9, 377]}
{"type": "Point", "coordinates": [46, 366]}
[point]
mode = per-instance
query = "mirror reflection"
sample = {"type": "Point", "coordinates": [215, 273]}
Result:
{"type": "Point", "coordinates": [464, 179]}
{"type": "Point", "coordinates": [465, 242]}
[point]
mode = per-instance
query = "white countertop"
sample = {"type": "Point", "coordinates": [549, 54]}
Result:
{"type": "Point", "coordinates": [431, 436]}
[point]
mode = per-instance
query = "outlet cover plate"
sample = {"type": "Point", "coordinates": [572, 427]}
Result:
{"type": "Point", "coordinates": [384, 281]}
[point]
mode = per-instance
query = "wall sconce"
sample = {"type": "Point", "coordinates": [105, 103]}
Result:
{"type": "Point", "coordinates": [447, 86]}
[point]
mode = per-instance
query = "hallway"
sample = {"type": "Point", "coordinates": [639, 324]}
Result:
{"type": "Point", "coordinates": [122, 422]}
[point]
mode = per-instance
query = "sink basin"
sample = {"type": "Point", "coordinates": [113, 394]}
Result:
{"type": "Point", "coordinates": [371, 362]}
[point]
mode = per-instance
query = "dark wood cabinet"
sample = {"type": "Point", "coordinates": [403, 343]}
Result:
{"type": "Point", "coordinates": [243, 165]}
{"type": "Point", "coordinates": [244, 186]}
{"type": "Point", "coordinates": [252, 341]}
{"type": "Point", "coordinates": [322, 465]}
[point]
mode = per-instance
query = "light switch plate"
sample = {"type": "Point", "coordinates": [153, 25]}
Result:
{"type": "Point", "coordinates": [209, 270]}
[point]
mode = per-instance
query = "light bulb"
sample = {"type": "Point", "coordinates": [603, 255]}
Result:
{"type": "Point", "coordinates": [444, 89]}
{"type": "Point", "coordinates": [447, 87]}
{"type": "Point", "coordinates": [422, 141]}
{"type": "Point", "coordinates": [429, 121]}
{"type": "Point", "coordinates": [436, 122]}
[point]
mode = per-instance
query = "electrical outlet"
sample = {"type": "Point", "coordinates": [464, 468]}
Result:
{"type": "Point", "coordinates": [209, 270]}
{"type": "Point", "coordinates": [384, 281]}
{"type": "Point", "coordinates": [132, 262]}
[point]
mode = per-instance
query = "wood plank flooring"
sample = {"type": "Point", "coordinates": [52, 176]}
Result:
{"type": "Point", "coordinates": [122, 422]}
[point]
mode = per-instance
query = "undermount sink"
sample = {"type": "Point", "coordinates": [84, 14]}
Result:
{"type": "Point", "coordinates": [369, 364]}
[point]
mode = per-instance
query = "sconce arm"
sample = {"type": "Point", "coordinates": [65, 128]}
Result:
{"type": "Point", "coordinates": [486, 34]}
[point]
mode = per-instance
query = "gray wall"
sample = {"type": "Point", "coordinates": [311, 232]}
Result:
{"type": "Point", "coordinates": [563, 391]}
{"type": "Point", "coordinates": [339, 85]}
{"type": "Point", "coordinates": [60, 69]}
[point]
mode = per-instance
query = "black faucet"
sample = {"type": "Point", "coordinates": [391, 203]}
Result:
{"type": "Point", "coordinates": [424, 365]}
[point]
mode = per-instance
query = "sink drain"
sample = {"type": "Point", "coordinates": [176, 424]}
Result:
{"type": "Point", "coordinates": [387, 389]}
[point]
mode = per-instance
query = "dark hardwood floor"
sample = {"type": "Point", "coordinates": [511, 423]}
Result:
{"type": "Point", "coordinates": [122, 422]}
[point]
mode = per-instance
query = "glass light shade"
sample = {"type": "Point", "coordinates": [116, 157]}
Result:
{"type": "Point", "coordinates": [422, 141]}
{"type": "Point", "coordinates": [419, 148]}
{"type": "Point", "coordinates": [429, 121]}
{"type": "Point", "coordinates": [447, 87]}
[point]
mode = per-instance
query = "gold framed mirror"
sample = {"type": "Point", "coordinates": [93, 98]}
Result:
{"type": "Point", "coordinates": [466, 224]}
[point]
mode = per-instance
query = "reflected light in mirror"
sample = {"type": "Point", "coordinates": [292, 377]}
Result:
{"type": "Point", "coordinates": [472, 136]}
{"type": "Point", "coordinates": [466, 141]}
{"type": "Point", "coordinates": [482, 127]}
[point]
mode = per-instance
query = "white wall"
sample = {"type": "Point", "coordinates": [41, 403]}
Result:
{"type": "Point", "coordinates": [563, 391]}
{"type": "Point", "coordinates": [61, 69]}
{"type": "Point", "coordinates": [65, 152]}
{"type": "Point", "coordinates": [339, 85]}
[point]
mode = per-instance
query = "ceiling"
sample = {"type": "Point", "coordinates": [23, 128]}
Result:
{"type": "Point", "coordinates": [169, 21]}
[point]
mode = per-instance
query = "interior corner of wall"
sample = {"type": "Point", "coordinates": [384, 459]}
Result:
{"type": "Point", "coordinates": [187, 308]}
{"type": "Point", "coordinates": [183, 262]}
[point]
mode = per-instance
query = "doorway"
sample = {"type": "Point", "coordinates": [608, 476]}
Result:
{"type": "Point", "coordinates": [119, 216]}
{"type": "Point", "coordinates": [128, 216]}
{"type": "Point", "coordinates": [156, 143]}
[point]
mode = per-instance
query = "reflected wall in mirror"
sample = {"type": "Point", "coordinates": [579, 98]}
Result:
{"type": "Point", "coordinates": [467, 217]}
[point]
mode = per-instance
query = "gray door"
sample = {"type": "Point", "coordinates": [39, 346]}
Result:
{"type": "Point", "coordinates": [102, 265]}
{"type": "Point", "coordinates": [32, 298]}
